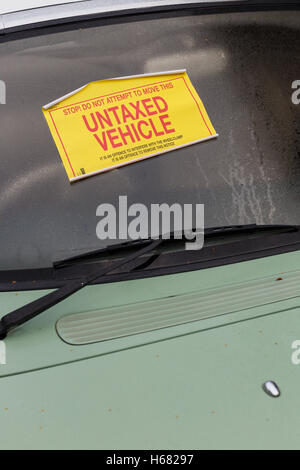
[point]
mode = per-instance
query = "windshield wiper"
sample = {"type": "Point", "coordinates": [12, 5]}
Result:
{"type": "Point", "coordinates": [107, 250]}
{"type": "Point", "coordinates": [250, 228]}
{"type": "Point", "coordinates": [29, 311]}
{"type": "Point", "coordinates": [211, 232]}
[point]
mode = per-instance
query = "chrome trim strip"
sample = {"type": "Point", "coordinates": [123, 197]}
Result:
{"type": "Point", "coordinates": [36, 17]}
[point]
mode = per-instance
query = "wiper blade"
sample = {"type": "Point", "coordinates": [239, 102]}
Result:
{"type": "Point", "coordinates": [109, 249]}
{"type": "Point", "coordinates": [248, 228]}
{"type": "Point", "coordinates": [208, 233]}
{"type": "Point", "coordinates": [29, 311]}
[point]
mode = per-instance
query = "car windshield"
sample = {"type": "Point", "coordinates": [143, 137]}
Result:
{"type": "Point", "coordinates": [242, 64]}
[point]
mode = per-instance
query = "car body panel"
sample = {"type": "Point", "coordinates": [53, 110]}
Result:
{"type": "Point", "coordinates": [117, 394]}
{"type": "Point", "coordinates": [202, 390]}
{"type": "Point", "coordinates": [22, 5]}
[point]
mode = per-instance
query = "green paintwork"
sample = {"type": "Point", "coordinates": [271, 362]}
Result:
{"type": "Point", "coordinates": [196, 385]}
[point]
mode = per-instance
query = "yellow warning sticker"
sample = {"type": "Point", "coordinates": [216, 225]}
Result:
{"type": "Point", "coordinates": [110, 123]}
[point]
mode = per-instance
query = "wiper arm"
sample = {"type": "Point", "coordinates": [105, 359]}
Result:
{"type": "Point", "coordinates": [31, 310]}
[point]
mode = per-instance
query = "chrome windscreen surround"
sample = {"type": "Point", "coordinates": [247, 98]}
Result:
{"type": "Point", "coordinates": [116, 322]}
{"type": "Point", "coordinates": [87, 9]}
